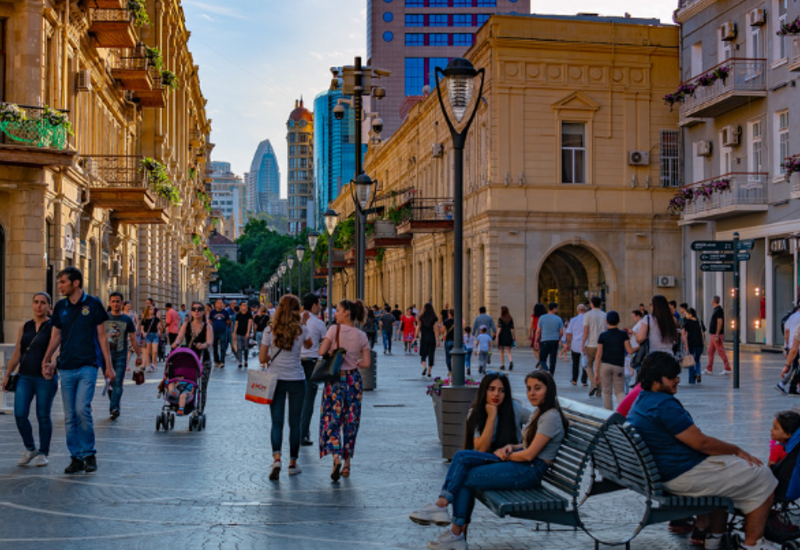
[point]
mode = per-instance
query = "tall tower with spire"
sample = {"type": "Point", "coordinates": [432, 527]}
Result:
{"type": "Point", "coordinates": [299, 137]}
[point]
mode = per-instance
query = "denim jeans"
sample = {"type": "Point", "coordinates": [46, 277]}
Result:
{"type": "Point", "coordinates": [695, 370]}
{"type": "Point", "coordinates": [295, 390]}
{"type": "Point", "coordinates": [448, 347]}
{"type": "Point", "coordinates": [77, 392]}
{"type": "Point", "coordinates": [220, 346]}
{"type": "Point", "coordinates": [483, 359]}
{"type": "Point", "coordinates": [387, 341]}
{"type": "Point", "coordinates": [242, 343]}
{"type": "Point", "coordinates": [468, 357]}
{"type": "Point", "coordinates": [120, 363]}
{"type": "Point", "coordinates": [44, 390]}
{"type": "Point", "coordinates": [308, 399]}
{"type": "Point", "coordinates": [472, 471]}
{"type": "Point", "coordinates": [548, 352]}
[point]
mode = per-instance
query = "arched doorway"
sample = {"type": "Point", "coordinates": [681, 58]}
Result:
{"type": "Point", "coordinates": [570, 275]}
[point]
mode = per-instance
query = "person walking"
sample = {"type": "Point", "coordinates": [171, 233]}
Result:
{"type": "Point", "coordinates": [308, 358]}
{"type": "Point", "coordinates": [409, 322]}
{"type": "Point", "coordinates": [79, 329]}
{"type": "Point", "coordinates": [371, 328]}
{"type": "Point", "coordinates": [127, 309]}
{"type": "Point", "coordinates": [426, 332]}
{"type": "Point", "coordinates": [397, 313]}
{"type": "Point", "coordinates": [220, 321]}
{"type": "Point", "coordinates": [594, 322]}
{"type": "Point", "coordinates": [448, 338]}
{"type": "Point", "coordinates": [538, 311]}
{"type": "Point", "coordinates": [173, 322]}
{"type": "Point", "coordinates": [149, 329]}
{"type": "Point", "coordinates": [32, 343]}
{"type": "Point", "coordinates": [243, 328]}
{"type": "Point", "coordinates": [485, 320]}
{"type": "Point", "coordinates": [692, 334]}
{"type": "Point", "coordinates": [232, 308]}
{"type": "Point", "coordinates": [119, 329]}
{"type": "Point", "coordinates": [613, 346]}
{"type": "Point", "coordinates": [659, 326]}
{"type": "Point", "coordinates": [197, 335]}
{"type": "Point", "coordinates": [549, 332]}
{"type": "Point", "coordinates": [341, 403]}
{"type": "Point", "coordinates": [260, 322]}
{"type": "Point", "coordinates": [716, 344]}
{"type": "Point", "coordinates": [280, 351]}
{"type": "Point", "coordinates": [506, 338]}
{"type": "Point", "coordinates": [386, 324]}
{"type": "Point", "coordinates": [575, 342]}
{"type": "Point", "coordinates": [183, 313]}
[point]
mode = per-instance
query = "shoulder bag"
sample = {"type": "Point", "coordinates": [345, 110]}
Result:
{"type": "Point", "coordinates": [329, 366]}
{"type": "Point", "coordinates": [643, 350]}
{"type": "Point", "coordinates": [13, 378]}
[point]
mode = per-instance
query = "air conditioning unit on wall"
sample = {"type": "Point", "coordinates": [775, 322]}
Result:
{"type": "Point", "coordinates": [638, 158]}
{"type": "Point", "coordinates": [727, 31]}
{"type": "Point", "coordinates": [84, 80]}
{"type": "Point", "coordinates": [665, 281]}
{"type": "Point", "coordinates": [757, 17]}
{"type": "Point", "coordinates": [703, 148]}
{"type": "Point", "coordinates": [437, 150]}
{"type": "Point", "coordinates": [731, 136]}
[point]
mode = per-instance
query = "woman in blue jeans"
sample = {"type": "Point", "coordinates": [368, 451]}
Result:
{"type": "Point", "coordinates": [280, 351]}
{"type": "Point", "coordinates": [32, 342]}
{"type": "Point", "coordinates": [511, 467]}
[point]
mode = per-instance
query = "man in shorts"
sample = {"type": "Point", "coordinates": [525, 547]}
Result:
{"type": "Point", "coordinates": [691, 463]}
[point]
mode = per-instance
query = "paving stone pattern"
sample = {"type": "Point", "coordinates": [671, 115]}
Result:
{"type": "Point", "coordinates": [210, 489]}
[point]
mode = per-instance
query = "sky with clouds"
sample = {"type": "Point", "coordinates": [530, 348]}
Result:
{"type": "Point", "coordinates": [257, 57]}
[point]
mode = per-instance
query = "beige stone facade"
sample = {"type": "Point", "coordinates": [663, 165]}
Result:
{"type": "Point", "coordinates": [91, 202]}
{"type": "Point", "coordinates": [554, 208]}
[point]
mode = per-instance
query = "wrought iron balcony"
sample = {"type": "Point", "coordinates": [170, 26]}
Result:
{"type": "Point", "coordinates": [747, 193]}
{"type": "Point", "coordinates": [133, 72]}
{"type": "Point", "coordinates": [120, 183]}
{"type": "Point", "coordinates": [112, 28]}
{"type": "Point", "coordinates": [433, 215]}
{"type": "Point", "coordinates": [38, 140]}
{"type": "Point", "coordinates": [110, 4]}
{"type": "Point", "coordinates": [156, 96]}
{"type": "Point", "coordinates": [794, 60]}
{"type": "Point", "coordinates": [745, 81]}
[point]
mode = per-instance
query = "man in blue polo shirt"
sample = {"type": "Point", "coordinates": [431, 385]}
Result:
{"type": "Point", "coordinates": [220, 323]}
{"type": "Point", "coordinates": [691, 463]}
{"type": "Point", "coordinates": [79, 328]}
{"type": "Point", "coordinates": [549, 333]}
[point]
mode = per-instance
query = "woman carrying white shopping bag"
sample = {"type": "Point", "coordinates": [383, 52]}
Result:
{"type": "Point", "coordinates": [280, 351]}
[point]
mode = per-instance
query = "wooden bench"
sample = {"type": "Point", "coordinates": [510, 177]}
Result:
{"type": "Point", "coordinates": [601, 453]}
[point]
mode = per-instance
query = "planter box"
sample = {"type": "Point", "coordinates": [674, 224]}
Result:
{"type": "Point", "coordinates": [456, 403]}
{"type": "Point", "coordinates": [437, 409]}
{"type": "Point", "coordinates": [384, 228]}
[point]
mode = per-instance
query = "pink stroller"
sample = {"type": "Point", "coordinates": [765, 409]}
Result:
{"type": "Point", "coordinates": [183, 365]}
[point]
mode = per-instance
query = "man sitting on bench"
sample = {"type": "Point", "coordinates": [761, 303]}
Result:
{"type": "Point", "coordinates": [691, 463]}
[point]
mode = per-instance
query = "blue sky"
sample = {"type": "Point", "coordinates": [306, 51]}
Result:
{"type": "Point", "coordinates": [257, 56]}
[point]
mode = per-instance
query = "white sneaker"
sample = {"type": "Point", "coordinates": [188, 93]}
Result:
{"type": "Point", "coordinates": [275, 470]}
{"type": "Point", "coordinates": [448, 541]}
{"type": "Point", "coordinates": [294, 470]}
{"type": "Point", "coordinates": [41, 460]}
{"type": "Point", "coordinates": [712, 542]}
{"type": "Point", "coordinates": [27, 456]}
{"type": "Point", "coordinates": [763, 544]}
{"type": "Point", "coordinates": [431, 514]}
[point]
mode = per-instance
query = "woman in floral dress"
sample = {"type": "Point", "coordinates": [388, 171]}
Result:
{"type": "Point", "coordinates": [340, 412]}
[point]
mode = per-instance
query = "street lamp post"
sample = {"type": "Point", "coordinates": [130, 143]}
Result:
{"type": "Point", "coordinates": [331, 221]}
{"type": "Point", "coordinates": [363, 187]}
{"type": "Point", "coordinates": [290, 263]}
{"type": "Point", "coordinates": [460, 76]}
{"type": "Point", "coordinates": [300, 250]}
{"type": "Point", "coordinates": [283, 279]}
{"type": "Point", "coordinates": [313, 236]}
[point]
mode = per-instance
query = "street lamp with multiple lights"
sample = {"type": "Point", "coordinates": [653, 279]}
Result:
{"type": "Point", "coordinates": [331, 221]}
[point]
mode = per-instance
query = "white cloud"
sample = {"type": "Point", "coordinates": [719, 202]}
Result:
{"type": "Point", "coordinates": [218, 10]}
{"type": "Point", "coordinates": [206, 16]}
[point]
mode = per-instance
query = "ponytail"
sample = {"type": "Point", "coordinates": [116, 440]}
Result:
{"type": "Point", "coordinates": [355, 309]}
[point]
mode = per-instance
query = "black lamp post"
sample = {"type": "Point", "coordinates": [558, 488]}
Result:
{"type": "Point", "coordinates": [283, 279]}
{"type": "Point", "coordinates": [331, 221]}
{"type": "Point", "coordinates": [290, 264]}
{"type": "Point", "coordinates": [460, 76]}
{"type": "Point", "coordinates": [313, 236]}
{"type": "Point", "coordinates": [363, 187]}
{"type": "Point", "coordinates": [300, 251]}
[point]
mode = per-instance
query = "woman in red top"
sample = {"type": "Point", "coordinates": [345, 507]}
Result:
{"type": "Point", "coordinates": [538, 311]}
{"type": "Point", "coordinates": [408, 321]}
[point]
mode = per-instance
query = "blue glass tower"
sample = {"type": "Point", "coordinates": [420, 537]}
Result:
{"type": "Point", "coordinates": [265, 180]}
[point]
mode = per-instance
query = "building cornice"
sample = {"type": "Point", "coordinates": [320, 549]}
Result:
{"type": "Point", "coordinates": [682, 15]}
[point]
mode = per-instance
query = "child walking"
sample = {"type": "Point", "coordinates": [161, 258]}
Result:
{"type": "Point", "coordinates": [469, 345]}
{"type": "Point", "coordinates": [484, 349]}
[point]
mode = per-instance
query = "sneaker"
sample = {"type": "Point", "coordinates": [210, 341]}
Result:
{"type": "Point", "coordinates": [713, 542]}
{"type": "Point", "coordinates": [727, 371]}
{"type": "Point", "coordinates": [781, 388]}
{"type": "Point", "coordinates": [763, 544]}
{"type": "Point", "coordinates": [114, 414]}
{"type": "Point", "coordinates": [41, 460]}
{"type": "Point", "coordinates": [240, 365]}
{"type": "Point", "coordinates": [77, 465]}
{"type": "Point", "coordinates": [431, 514]}
{"type": "Point", "coordinates": [511, 366]}
{"type": "Point", "coordinates": [699, 379]}
{"type": "Point", "coordinates": [294, 470]}
{"type": "Point", "coordinates": [91, 464]}
{"type": "Point", "coordinates": [275, 470]}
{"type": "Point", "coordinates": [27, 456]}
{"type": "Point", "coordinates": [709, 372]}
{"type": "Point", "coordinates": [306, 442]}
{"type": "Point", "coordinates": [448, 541]}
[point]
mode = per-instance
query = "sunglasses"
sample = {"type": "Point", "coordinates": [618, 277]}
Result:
{"type": "Point", "coordinates": [198, 309]}
{"type": "Point", "coordinates": [495, 373]}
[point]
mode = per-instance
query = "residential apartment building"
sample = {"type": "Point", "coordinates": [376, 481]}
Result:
{"type": "Point", "coordinates": [411, 38]}
{"type": "Point", "coordinates": [300, 141]}
{"type": "Point", "coordinates": [569, 167]}
{"type": "Point", "coordinates": [228, 196]}
{"type": "Point", "coordinates": [739, 115]}
{"type": "Point", "coordinates": [109, 180]}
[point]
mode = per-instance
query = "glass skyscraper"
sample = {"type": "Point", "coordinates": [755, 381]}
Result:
{"type": "Point", "coordinates": [264, 181]}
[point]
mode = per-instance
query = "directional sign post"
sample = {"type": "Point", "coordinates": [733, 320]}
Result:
{"type": "Point", "coordinates": [716, 268]}
{"type": "Point", "coordinates": [736, 307]}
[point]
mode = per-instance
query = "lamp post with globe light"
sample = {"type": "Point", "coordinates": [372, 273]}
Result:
{"type": "Point", "coordinates": [290, 264]}
{"type": "Point", "coordinates": [313, 236]}
{"type": "Point", "coordinates": [300, 251]}
{"type": "Point", "coordinates": [331, 221]}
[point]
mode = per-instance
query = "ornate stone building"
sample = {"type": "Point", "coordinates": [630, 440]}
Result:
{"type": "Point", "coordinates": [117, 190]}
{"type": "Point", "coordinates": [567, 176]}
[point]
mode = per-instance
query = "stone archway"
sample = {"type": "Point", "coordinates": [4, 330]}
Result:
{"type": "Point", "coordinates": [569, 275]}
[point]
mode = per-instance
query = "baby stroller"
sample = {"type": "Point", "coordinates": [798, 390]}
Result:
{"type": "Point", "coordinates": [183, 365]}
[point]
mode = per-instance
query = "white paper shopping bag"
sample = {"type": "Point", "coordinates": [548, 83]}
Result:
{"type": "Point", "coordinates": [260, 386]}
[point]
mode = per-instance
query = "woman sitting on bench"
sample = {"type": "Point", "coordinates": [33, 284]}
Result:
{"type": "Point", "coordinates": [510, 467]}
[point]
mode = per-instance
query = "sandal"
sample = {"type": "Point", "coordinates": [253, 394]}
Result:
{"type": "Point", "coordinates": [336, 473]}
{"type": "Point", "coordinates": [346, 471]}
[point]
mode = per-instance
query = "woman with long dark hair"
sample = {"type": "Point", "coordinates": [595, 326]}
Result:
{"type": "Point", "coordinates": [659, 326]}
{"type": "Point", "coordinates": [693, 342]}
{"type": "Point", "coordinates": [281, 345]}
{"type": "Point", "coordinates": [505, 337]}
{"type": "Point", "coordinates": [340, 412]}
{"type": "Point", "coordinates": [197, 335]}
{"type": "Point", "coordinates": [426, 332]}
{"type": "Point", "coordinates": [495, 419]}
{"type": "Point", "coordinates": [512, 467]}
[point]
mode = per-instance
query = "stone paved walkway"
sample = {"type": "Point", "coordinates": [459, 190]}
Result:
{"type": "Point", "coordinates": [210, 489]}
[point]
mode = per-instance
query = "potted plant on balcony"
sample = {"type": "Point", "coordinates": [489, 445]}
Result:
{"type": "Point", "coordinates": [790, 28]}
{"type": "Point", "coordinates": [9, 112]}
{"type": "Point", "coordinates": [721, 73]}
{"type": "Point", "coordinates": [158, 179]}
{"type": "Point", "coordinates": [169, 80]}
{"type": "Point", "coordinates": [791, 165]}
{"type": "Point", "coordinates": [155, 58]}
{"type": "Point", "coordinates": [138, 10]}
{"type": "Point", "coordinates": [684, 90]}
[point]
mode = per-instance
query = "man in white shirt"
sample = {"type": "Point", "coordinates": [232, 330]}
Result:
{"type": "Point", "coordinates": [790, 327]}
{"type": "Point", "coordinates": [594, 323]}
{"type": "Point", "coordinates": [575, 343]}
{"type": "Point", "coordinates": [308, 358]}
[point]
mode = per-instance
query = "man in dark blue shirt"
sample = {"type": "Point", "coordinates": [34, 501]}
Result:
{"type": "Point", "coordinates": [691, 463]}
{"type": "Point", "coordinates": [79, 328]}
{"type": "Point", "coordinates": [220, 323]}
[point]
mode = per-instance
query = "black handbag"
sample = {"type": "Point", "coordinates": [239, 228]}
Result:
{"type": "Point", "coordinates": [642, 351]}
{"type": "Point", "coordinates": [329, 366]}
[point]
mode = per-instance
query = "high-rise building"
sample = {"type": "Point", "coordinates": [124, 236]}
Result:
{"type": "Point", "coordinates": [334, 151]}
{"type": "Point", "coordinates": [412, 38]}
{"type": "Point", "coordinates": [299, 138]}
{"type": "Point", "coordinates": [264, 181]}
{"type": "Point", "coordinates": [228, 195]}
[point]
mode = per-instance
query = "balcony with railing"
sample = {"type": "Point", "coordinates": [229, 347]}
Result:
{"type": "Point", "coordinates": [794, 59]}
{"type": "Point", "coordinates": [747, 192]}
{"type": "Point", "coordinates": [34, 136]}
{"type": "Point", "coordinates": [120, 183]}
{"type": "Point", "coordinates": [156, 97]}
{"type": "Point", "coordinates": [133, 72]}
{"type": "Point", "coordinates": [744, 80]}
{"type": "Point", "coordinates": [429, 215]}
{"type": "Point", "coordinates": [112, 28]}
